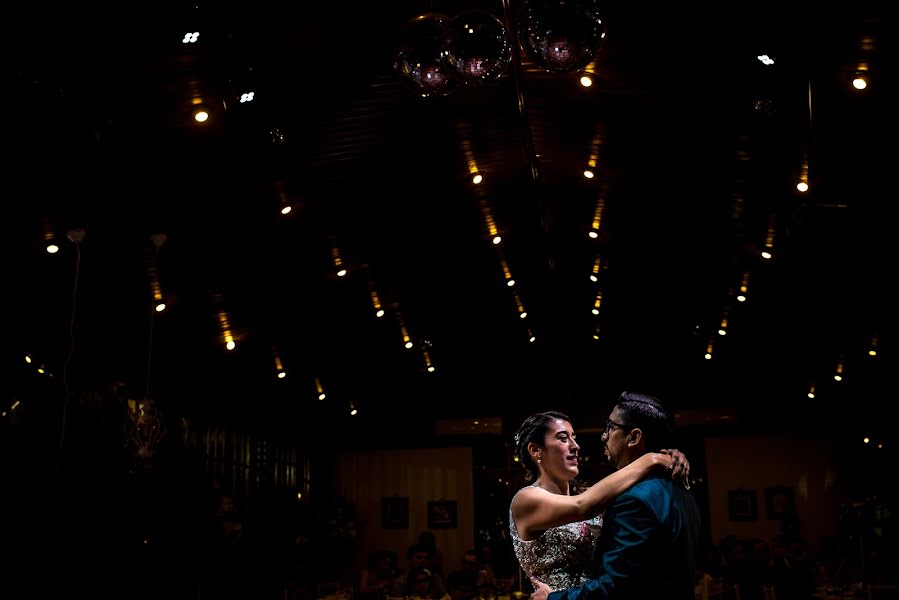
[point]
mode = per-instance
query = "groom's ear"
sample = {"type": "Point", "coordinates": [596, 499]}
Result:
{"type": "Point", "coordinates": [635, 436]}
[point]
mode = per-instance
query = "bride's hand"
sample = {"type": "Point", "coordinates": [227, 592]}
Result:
{"type": "Point", "coordinates": [679, 467]}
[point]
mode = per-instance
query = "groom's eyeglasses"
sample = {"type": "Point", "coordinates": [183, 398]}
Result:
{"type": "Point", "coordinates": [610, 425]}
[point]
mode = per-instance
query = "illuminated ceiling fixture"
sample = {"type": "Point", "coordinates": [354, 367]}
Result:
{"type": "Point", "coordinates": [811, 391]}
{"type": "Point", "coordinates": [407, 339]}
{"type": "Point", "coordinates": [283, 197]}
{"type": "Point", "coordinates": [227, 334]}
{"type": "Point", "coordinates": [522, 313]}
{"type": "Point", "coordinates": [156, 289]}
{"type": "Point", "coordinates": [158, 240]}
{"type": "Point", "coordinates": [507, 274]}
{"type": "Point", "coordinates": [375, 300]}
{"type": "Point", "coordinates": [802, 184]}
{"type": "Point", "coordinates": [28, 358]}
{"type": "Point", "coordinates": [744, 287]}
{"type": "Point", "coordinates": [190, 37]}
{"type": "Point", "coordinates": [490, 224]}
{"type": "Point", "coordinates": [597, 303]}
{"type": "Point", "coordinates": [597, 216]}
{"type": "Point", "coordinates": [280, 373]}
{"type": "Point", "coordinates": [765, 60]}
{"type": "Point", "coordinates": [338, 261]}
{"type": "Point", "coordinates": [722, 327]}
{"type": "Point", "coordinates": [49, 237]}
{"type": "Point", "coordinates": [353, 411]}
{"type": "Point", "coordinates": [429, 366]}
{"type": "Point", "coordinates": [587, 74]}
{"type": "Point", "coordinates": [838, 376]}
{"type": "Point", "coordinates": [247, 97]}
{"type": "Point", "coordinates": [861, 75]}
{"type": "Point", "coordinates": [596, 333]}
{"type": "Point", "coordinates": [593, 159]}
{"type": "Point", "coordinates": [767, 253]}
{"type": "Point", "coordinates": [872, 351]}
{"type": "Point", "coordinates": [319, 389]}
{"type": "Point", "coordinates": [200, 114]}
{"type": "Point", "coordinates": [708, 350]}
{"type": "Point", "coordinates": [476, 175]}
{"type": "Point", "coordinates": [597, 265]}
{"type": "Point", "coordinates": [531, 337]}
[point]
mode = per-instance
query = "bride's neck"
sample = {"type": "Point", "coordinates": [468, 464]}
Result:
{"type": "Point", "coordinates": [556, 487]}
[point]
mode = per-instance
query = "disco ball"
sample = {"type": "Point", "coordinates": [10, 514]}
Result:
{"type": "Point", "coordinates": [561, 37]}
{"type": "Point", "coordinates": [475, 47]}
{"type": "Point", "coordinates": [418, 57]}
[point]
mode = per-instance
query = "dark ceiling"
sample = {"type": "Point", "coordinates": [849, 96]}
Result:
{"type": "Point", "coordinates": [698, 143]}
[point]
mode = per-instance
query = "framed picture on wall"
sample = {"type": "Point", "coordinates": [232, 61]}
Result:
{"type": "Point", "coordinates": [779, 502]}
{"type": "Point", "coordinates": [742, 505]}
{"type": "Point", "coordinates": [442, 514]}
{"type": "Point", "coordinates": [395, 512]}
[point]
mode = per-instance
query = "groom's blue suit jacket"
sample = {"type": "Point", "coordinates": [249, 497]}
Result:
{"type": "Point", "coordinates": [648, 546]}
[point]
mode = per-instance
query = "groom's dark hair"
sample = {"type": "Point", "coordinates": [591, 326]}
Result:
{"type": "Point", "coordinates": [653, 419]}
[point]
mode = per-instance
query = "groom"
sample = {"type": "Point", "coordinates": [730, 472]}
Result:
{"type": "Point", "coordinates": [651, 532]}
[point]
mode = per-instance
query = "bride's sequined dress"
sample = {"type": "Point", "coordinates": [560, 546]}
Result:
{"type": "Point", "coordinates": [562, 557]}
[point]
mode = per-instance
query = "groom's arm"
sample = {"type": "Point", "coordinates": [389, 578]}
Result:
{"type": "Point", "coordinates": [624, 560]}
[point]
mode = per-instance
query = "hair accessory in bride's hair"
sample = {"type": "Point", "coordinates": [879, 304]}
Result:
{"type": "Point", "coordinates": [517, 438]}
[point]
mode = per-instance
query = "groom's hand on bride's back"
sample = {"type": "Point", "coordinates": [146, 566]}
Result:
{"type": "Point", "coordinates": [541, 590]}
